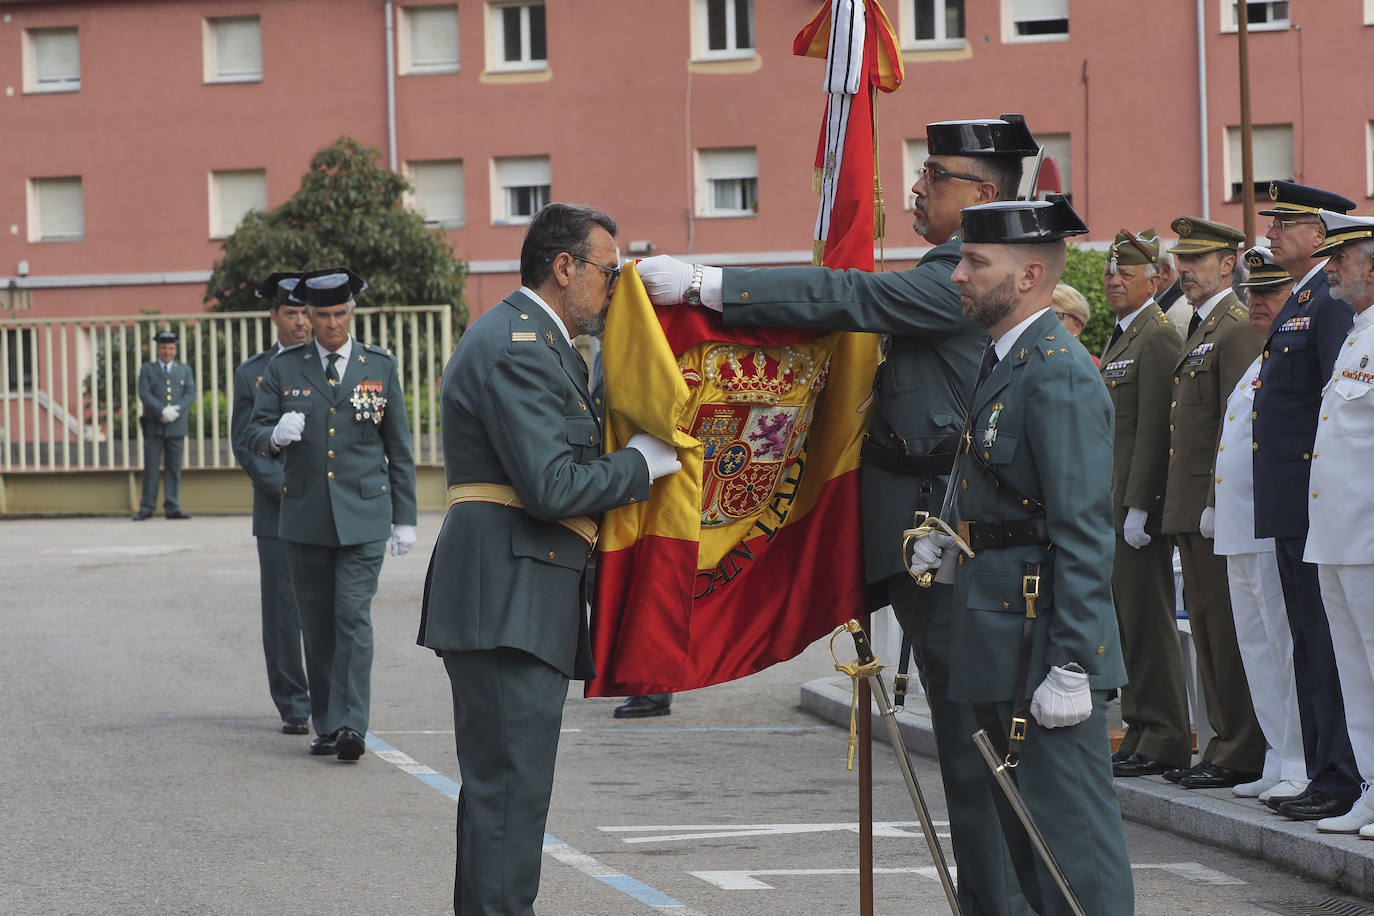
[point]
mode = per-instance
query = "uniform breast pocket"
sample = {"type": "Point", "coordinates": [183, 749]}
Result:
{"type": "Point", "coordinates": [1295, 362]}
{"type": "Point", "coordinates": [549, 543]}
{"type": "Point", "coordinates": [1198, 379]}
{"type": "Point", "coordinates": [374, 485]}
{"type": "Point", "coordinates": [1001, 450]}
{"type": "Point", "coordinates": [296, 403]}
{"type": "Point", "coordinates": [583, 435]}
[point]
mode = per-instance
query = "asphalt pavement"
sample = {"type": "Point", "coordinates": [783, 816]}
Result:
{"type": "Point", "coordinates": [145, 771]}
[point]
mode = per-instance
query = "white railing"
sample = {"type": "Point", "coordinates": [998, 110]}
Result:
{"type": "Point", "coordinates": [68, 398]}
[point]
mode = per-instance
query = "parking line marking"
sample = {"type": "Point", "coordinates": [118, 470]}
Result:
{"type": "Point", "coordinates": [631, 887]}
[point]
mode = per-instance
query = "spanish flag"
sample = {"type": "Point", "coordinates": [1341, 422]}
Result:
{"type": "Point", "coordinates": [754, 549]}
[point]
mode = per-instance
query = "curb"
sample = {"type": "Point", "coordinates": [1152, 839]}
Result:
{"type": "Point", "coordinates": [1213, 816]}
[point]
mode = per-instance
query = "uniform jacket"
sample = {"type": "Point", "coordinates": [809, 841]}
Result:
{"type": "Point", "coordinates": [1339, 500]}
{"type": "Point", "coordinates": [1052, 443]}
{"type": "Point", "coordinates": [1302, 345]}
{"type": "Point", "coordinates": [516, 411]}
{"type": "Point", "coordinates": [1138, 370]}
{"type": "Point", "coordinates": [1234, 489]}
{"type": "Point", "coordinates": [1205, 371]}
{"type": "Point", "coordinates": [263, 470]}
{"type": "Point", "coordinates": [350, 478]}
{"type": "Point", "coordinates": [157, 389]}
{"type": "Point", "coordinates": [923, 385]}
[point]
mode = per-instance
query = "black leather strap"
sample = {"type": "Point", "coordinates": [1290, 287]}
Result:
{"type": "Point", "coordinates": [896, 461]}
{"type": "Point", "coordinates": [1017, 532]}
{"type": "Point", "coordinates": [1020, 708]}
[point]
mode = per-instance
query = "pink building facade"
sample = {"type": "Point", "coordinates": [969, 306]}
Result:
{"type": "Point", "coordinates": [134, 134]}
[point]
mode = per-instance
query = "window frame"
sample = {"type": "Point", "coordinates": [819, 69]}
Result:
{"type": "Point", "coordinates": [210, 52]}
{"type": "Point", "coordinates": [496, 37]}
{"type": "Point", "coordinates": [1009, 22]}
{"type": "Point", "coordinates": [501, 214]}
{"type": "Point", "coordinates": [706, 182]}
{"type": "Point", "coordinates": [406, 43]}
{"type": "Point", "coordinates": [701, 33]}
{"type": "Point", "coordinates": [32, 84]}
{"type": "Point", "coordinates": [216, 210]}
{"type": "Point", "coordinates": [34, 194]}
{"type": "Point", "coordinates": [1232, 165]}
{"type": "Point", "coordinates": [413, 199]}
{"type": "Point", "coordinates": [1230, 24]}
{"type": "Point", "coordinates": [940, 42]}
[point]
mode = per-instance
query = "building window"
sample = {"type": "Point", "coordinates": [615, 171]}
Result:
{"type": "Point", "coordinates": [723, 29]}
{"type": "Point", "coordinates": [727, 182]}
{"type": "Point", "coordinates": [1058, 162]}
{"type": "Point", "coordinates": [933, 24]}
{"type": "Point", "coordinates": [1261, 15]}
{"type": "Point", "coordinates": [438, 191]}
{"type": "Point", "coordinates": [52, 60]}
{"type": "Point", "coordinates": [233, 50]}
{"type": "Point", "coordinates": [516, 39]}
{"type": "Point", "coordinates": [914, 155]}
{"type": "Point", "coordinates": [56, 210]}
{"type": "Point", "coordinates": [520, 186]}
{"type": "Point", "coordinates": [1271, 149]}
{"type": "Point", "coordinates": [1036, 20]}
{"type": "Point", "coordinates": [429, 39]}
{"type": "Point", "coordinates": [232, 195]}
{"type": "Point", "coordinates": [1369, 12]}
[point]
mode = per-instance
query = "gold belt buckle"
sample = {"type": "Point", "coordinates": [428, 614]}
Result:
{"type": "Point", "coordinates": [1030, 586]}
{"type": "Point", "coordinates": [1018, 728]}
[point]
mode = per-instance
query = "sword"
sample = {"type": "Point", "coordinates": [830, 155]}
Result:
{"type": "Point", "coordinates": [872, 672]}
{"type": "Point", "coordinates": [1018, 805]}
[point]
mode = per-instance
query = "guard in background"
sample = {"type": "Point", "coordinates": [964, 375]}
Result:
{"type": "Point", "coordinates": [281, 623]}
{"type": "Point", "coordinates": [166, 390]}
{"type": "Point", "coordinates": [1036, 638]}
{"type": "Point", "coordinates": [1298, 357]}
{"type": "Point", "coordinates": [1137, 367]}
{"type": "Point", "coordinates": [335, 410]}
{"type": "Point", "coordinates": [1218, 347]}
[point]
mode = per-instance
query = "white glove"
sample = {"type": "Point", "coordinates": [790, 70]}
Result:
{"type": "Point", "coordinates": [1063, 698]}
{"type": "Point", "coordinates": [402, 539]}
{"type": "Point", "coordinates": [1207, 525]}
{"type": "Point", "coordinates": [1134, 529]}
{"type": "Point", "coordinates": [666, 280]}
{"type": "Point", "coordinates": [660, 456]}
{"type": "Point", "coordinates": [289, 429]}
{"type": "Point", "coordinates": [170, 413]}
{"type": "Point", "coordinates": [925, 552]}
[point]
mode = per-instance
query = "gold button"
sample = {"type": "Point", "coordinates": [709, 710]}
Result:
{"type": "Point", "coordinates": [986, 456]}
{"type": "Point", "coordinates": [1285, 349]}
{"type": "Point", "coordinates": [1254, 414]}
{"type": "Point", "coordinates": [1257, 383]}
{"type": "Point", "coordinates": [524, 317]}
{"type": "Point", "coordinates": [283, 489]}
{"type": "Point", "coordinates": [1171, 427]}
{"type": "Point", "coordinates": [1254, 446]}
{"type": "Point", "coordinates": [332, 410]}
{"type": "Point", "coordinates": [1171, 451]}
{"type": "Point", "coordinates": [1218, 480]}
{"type": "Point", "coordinates": [1221, 448]}
{"type": "Point", "coordinates": [1175, 382]}
{"type": "Point", "coordinates": [590, 438]}
{"type": "Point", "coordinates": [1173, 404]}
{"type": "Point", "coordinates": [1306, 457]}
{"type": "Point", "coordinates": [1192, 375]}
{"type": "Point", "coordinates": [964, 484]}
{"type": "Point", "coordinates": [743, 297]}
{"type": "Point", "coordinates": [383, 488]}
{"type": "Point", "coordinates": [1314, 454]}
{"type": "Point", "coordinates": [1324, 416]}
{"type": "Point", "coordinates": [331, 453]}
{"type": "Point", "coordinates": [552, 555]}
{"type": "Point", "coordinates": [1314, 494]}
{"type": "Point", "coordinates": [1101, 650]}
{"type": "Point", "coordinates": [331, 430]}
{"type": "Point", "coordinates": [1266, 354]}
{"type": "Point", "coordinates": [331, 475]}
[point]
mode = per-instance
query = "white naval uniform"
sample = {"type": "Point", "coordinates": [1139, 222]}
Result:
{"type": "Point", "coordinates": [1340, 538]}
{"type": "Point", "coordinates": [1266, 643]}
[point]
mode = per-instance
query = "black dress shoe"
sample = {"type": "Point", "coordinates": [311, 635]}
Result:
{"type": "Point", "coordinates": [655, 704]}
{"type": "Point", "coordinates": [1177, 773]}
{"type": "Point", "coordinates": [295, 725]}
{"type": "Point", "coordinates": [1216, 776]}
{"type": "Point", "coordinates": [323, 746]}
{"type": "Point", "coordinates": [141, 517]}
{"type": "Point", "coordinates": [349, 743]}
{"type": "Point", "coordinates": [1139, 765]}
{"type": "Point", "coordinates": [1315, 806]}
{"type": "Point", "coordinates": [1120, 755]}
{"type": "Point", "coordinates": [177, 516]}
{"type": "Point", "coordinates": [1277, 801]}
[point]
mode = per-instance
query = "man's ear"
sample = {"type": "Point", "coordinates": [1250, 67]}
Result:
{"type": "Point", "coordinates": [1032, 272]}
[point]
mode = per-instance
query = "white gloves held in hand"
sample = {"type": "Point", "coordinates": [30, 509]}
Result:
{"type": "Point", "coordinates": [1207, 525]}
{"type": "Point", "coordinates": [926, 552]}
{"type": "Point", "coordinates": [288, 429]}
{"type": "Point", "coordinates": [660, 456]}
{"type": "Point", "coordinates": [170, 413]}
{"type": "Point", "coordinates": [402, 539]}
{"type": "Point", "coordinates": [1062, 699]}
{"type": "Point", "coordinates": [666, 280]}
{"type": "Point", "coordinates": [1133, 531]}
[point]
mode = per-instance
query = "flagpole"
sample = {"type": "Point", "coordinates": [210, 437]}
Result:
{"type": "Point", "coordinates": [864, 732]}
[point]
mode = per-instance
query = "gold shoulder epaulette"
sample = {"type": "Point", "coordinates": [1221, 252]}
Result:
{"type": "Point", "coordinates": [523, 336]}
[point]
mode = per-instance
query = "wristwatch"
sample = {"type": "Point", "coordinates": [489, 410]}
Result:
{"type": "Point", "coordinates": [693, 294]}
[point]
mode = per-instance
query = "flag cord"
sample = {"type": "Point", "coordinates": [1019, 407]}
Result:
{"type": "Point", "coordinates": [879, 209]}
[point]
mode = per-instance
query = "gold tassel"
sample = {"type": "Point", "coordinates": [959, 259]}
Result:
{"type": "Point", "coordinates": [817, 176]}
{"type": "Point", "coordinates": [817, 252]}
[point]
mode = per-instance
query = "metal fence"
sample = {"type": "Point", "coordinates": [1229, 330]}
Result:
{"type": "Point", "coordinates": [68, 398]}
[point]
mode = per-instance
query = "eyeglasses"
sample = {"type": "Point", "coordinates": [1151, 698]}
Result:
{"type": "Point", "coordinates": [1288, 222]}
{"type": "Point", "coordinates": [612, 273]}
{"type": "Point", "coordinates": [936, 172]}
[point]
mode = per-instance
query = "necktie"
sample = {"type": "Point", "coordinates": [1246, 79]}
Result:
{"type": "Point", "coordinates": [989, 363]}
{"type": "Point", "coordinates": [1193, 325]}
{"type": "Point", "coordinates": [332, 373]}
{"type": "Point", "coordinates": [1116, 335]}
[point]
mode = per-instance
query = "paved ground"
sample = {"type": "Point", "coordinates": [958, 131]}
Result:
{"type": "Point", "coordinates": [145, 773]}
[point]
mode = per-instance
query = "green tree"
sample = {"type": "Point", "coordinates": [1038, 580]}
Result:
{"type": "Point", "coordinates": [1084, 273]}
{"type": "Point", "coordinates": [349, 211]}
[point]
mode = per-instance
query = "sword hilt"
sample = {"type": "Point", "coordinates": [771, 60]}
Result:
{"type": "Point", "coordinates": [862, 647]}
{"type": "Point", "coordinates": [926, 524]}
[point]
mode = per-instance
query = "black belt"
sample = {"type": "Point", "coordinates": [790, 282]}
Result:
{"type": "Point", "coordinates": [1019, 532]}
{"type": "Point", "coordinates": [896, 461]}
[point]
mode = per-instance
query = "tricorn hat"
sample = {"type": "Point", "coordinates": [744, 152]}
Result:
{"type": "Point", "coordinates": [278, 287]}
{"type": "Point", "coordinates": [330, 286]}
{"type": "Point", "coordinates": [166, 335]}
{"type": "Point", "coordinates": [1021, 222]}
{"type": "Point", "coordinates": [1004, 136]}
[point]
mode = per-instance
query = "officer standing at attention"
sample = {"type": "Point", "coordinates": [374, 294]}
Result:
{"type": "Point", "coordinates": [1340, 502]}
{"type": "Point", "coordinates": [1138, 369]}
{"type": "Point", "coordinates": [1266, 648]}
{"type": "Point", "coordinates": [334, 409]}
{"type": "Point", "coordinates": [1037, 637]}
{"type": "Point", "coordinates": [281, 624]}
{"type": "Point", "coordinates": [1298, 356]}
{"type": "Point", "coordinates": [1217, 349]}
{"type": "Point", "coordinates": [504, 599]}
{"type": "Point", "coordinates": [166, 389]}
{"type": "Point", "coordinates": [922, 392]}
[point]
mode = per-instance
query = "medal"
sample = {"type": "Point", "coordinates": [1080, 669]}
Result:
{"type": "Point", "coordinates": [990, 434]}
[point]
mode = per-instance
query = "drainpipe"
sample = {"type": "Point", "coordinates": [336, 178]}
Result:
{"type": "Point", "coordinates": [1202, 107]}
{"type": "Point", "coordinates": [391, 86]}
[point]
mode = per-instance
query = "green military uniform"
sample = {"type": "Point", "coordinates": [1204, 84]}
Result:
{"type": "Point", "coordinates": [503, 599]}
{"type": "Point", "coordinates": [281, 624]}
{"type": "Point", "coordinates": [164, 443]}
{"type": "Point", "coordinates": [1205, 371]}
{"type": "Point", "coordinates": [1137, 367]}
{"type": "Point", "coordinates": [349, 478]}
